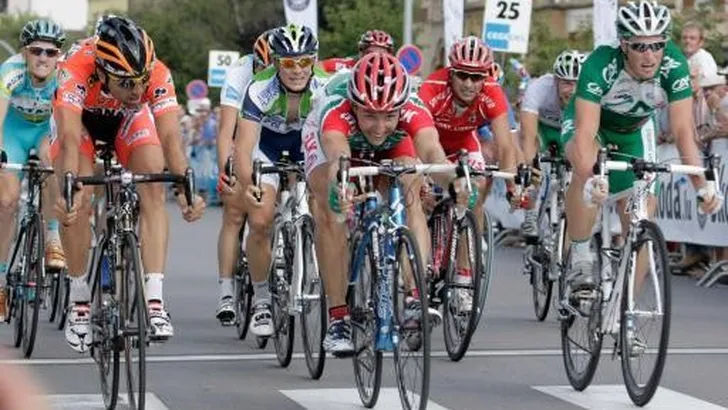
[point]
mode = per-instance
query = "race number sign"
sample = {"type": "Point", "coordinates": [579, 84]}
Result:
{"type": "Point", "coordinates": [219, 63]}
{"type": "Point", "coordinates": [506, 25]}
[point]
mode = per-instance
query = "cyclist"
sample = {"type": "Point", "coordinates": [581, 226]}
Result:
{"type": "Point", "coordinates": [496, 75]}
{"type": "Point", "coordinates": [27, 84]}
{"type": "Point", "coordinates": [372, 41]}
{"type": "Point", "coordinates": [618, 91]}
{"type": "Point", "coordinates": [231, 101]}
{"type": "Point", "coordinates": [461, 101]}
{"type": "Point", "coordinates": [369, 109]}
{"type": "Point", "coordinates": [114, 91]}
{"type": "Point", "coordinates": [541, 111]}
{"type": "Point", "coordinates": [276, 104]}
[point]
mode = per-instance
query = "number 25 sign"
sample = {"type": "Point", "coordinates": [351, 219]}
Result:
{"type": "Point", "coordinates": [506, 25]}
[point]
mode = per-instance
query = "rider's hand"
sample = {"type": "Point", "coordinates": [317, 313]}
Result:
{"type": "Point", "coordinates": [535, 177]}
{"type": "Point", "coordinates": [341, 202]}
{"type": "Point", "coordinates": [253, 196]}
{"type": "Point", "coordinates": [227, 185]}
{"type": "Point", "coordinates": [65, 216]}
{"type": "Point", "coordinates": [459, 192]}
{"type": "Point", "coordinates": [515, 197]}
{"type": "Point", "coordinates": [194, 212]}
{"type": "Point", "coordinates": [596, 190]}
{"type": "Point", "coordinates": [428, 197]}
{"type": "Point", "coordinates": [710, 199]}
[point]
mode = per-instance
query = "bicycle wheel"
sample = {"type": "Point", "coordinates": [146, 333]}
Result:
{"type": "Point", "coordinates": [362, 309]}
{"type": "Point", "coordinates": [541, 284]}
{"type": "Point", "coordinates": [32, 282]}
{"type": "Point", "coordinates": [486, 252]}
{"type": "Point", "coordinates": [65, 292]}
{"type": "Point", "coordinates": [243, 296]}
{"type": "Point", "coordinates": [581, 318]}
{"type": "Point", "coordinates": [279, 280]}
{"type": "Point", "coordinates": [134, 322]}
{"type": "Point", "coordinates": [412, 325]}
{"type": "Point", "coordinates": [313, 306]}
{"type": "Point", "coordinates": [646, 313]}
{"type": "Point", "coordinates": [106, 344]}
{"type": "Point", "coordinates": [459, 319]}
{"type": "Point", "coordinates": [55, 296]}
{"type": "Point", "coordinates": [15, 275]}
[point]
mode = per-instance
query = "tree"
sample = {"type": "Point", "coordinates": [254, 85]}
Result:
{"type": "Point", "coordinates": [344, 21]}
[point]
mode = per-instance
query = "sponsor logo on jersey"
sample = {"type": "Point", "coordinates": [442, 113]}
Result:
{"type": "Point", "coordinates": [610, 72]}
{"type": "Point", "coordinates": [130, 139]}
{"type": "Point", "coordinates": [72, 98]}
{"type": "Point", "coordinates": [681, 84]}
{"type": "Point", "coordinates": [595, 89]}
{"type": "Point", "coordinates": [269, 93]}
{"type": "Point", "coordinates": [668, 64]}
{"type": "Point", "coordinates": [567, 126]}
{"type": "Point", "coordinates": [407, 115]}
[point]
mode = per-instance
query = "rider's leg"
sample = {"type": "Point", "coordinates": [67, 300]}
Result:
{"type": "Point", "coordinates": [581, 218]}
{"type": "Point", "coordinates": [258, 250]}
{"type": "Point", "coordinates": [9, 195]}
{"type": "Point", "coordinates": [227, 252]}
{"type": "Point", "coordinates": [55, 257]}
{"type": "Point", "coordinates": [642, 267]}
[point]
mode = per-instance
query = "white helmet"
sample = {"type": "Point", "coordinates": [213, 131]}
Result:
{"type": "Point", "coordinates": [568, 65]}
{"type": "Point", "coordinates": [646, 18]}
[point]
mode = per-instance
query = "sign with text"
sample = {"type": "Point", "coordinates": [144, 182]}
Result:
{"type": "Point", "coordinates": [506, 25]}
{"type": "Point", "coordinates": [218, 64]}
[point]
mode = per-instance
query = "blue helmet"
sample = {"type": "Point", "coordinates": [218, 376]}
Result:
{"type": "Point", "coordinates": [42, 30]}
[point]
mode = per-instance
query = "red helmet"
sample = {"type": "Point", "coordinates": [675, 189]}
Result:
{"type": "Point", "coordinates": [378, 82]}
{"type": "Point", "coordinates": [470, 54]}
{"type": "Point", "coordinates": [377, 38]}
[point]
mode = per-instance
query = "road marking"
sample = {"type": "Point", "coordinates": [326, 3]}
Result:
{"type": "Point", "coordinates": [614, 397]}
{"type": "Point", "coordinates": [300, 356]}
{"type": "Point", "coordinates": [347, 399]}
{"type": "Point", "coordinates": [95, 401]}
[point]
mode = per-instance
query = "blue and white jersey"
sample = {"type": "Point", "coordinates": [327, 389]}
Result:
{"type": "Point", "coordinates": [236, 82]}
{"type": "Point", "coordinates": [32, 104]}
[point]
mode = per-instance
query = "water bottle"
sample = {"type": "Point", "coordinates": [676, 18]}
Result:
{"type": "Point", "coordinates": [105, 273]}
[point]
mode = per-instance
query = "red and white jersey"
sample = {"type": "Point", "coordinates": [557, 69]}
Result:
{"type": "Point", "coordinates": [332, 65]}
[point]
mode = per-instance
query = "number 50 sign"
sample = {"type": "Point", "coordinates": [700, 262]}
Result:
{"type": "Point", "coordinates": [506, 24]}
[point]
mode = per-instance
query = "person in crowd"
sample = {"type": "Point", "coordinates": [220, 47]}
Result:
{"type": "Point", "coordinates": [702, 63]}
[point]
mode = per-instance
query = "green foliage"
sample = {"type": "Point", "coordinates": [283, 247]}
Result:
{"type": "Point", "coordinates": [543, 46]}
{"type": "Point", "coordinates": [345, 20]}
{"type": "Point", "coordinates": [709, 19]}
{"type": "Point", "coordinates": [10, 27]}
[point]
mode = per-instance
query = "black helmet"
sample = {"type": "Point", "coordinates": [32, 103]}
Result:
{"type": "Point", "coordinates": [292, 40]}
{"type": "Point", "coordinates": [123, 48]}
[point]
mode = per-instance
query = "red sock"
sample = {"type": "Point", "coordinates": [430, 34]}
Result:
{"type": "Point", "coordinates": [465, 272]}
{"type": "Point", "coordinates": [338, 313]}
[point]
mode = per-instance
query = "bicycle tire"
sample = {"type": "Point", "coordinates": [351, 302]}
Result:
{"type": "Point", "coordinates": [580, 380]}
{"type": "Point", "coordinates": [32, 283]}
{"type": "Point", "coordinates": [14, 283]}
{"type": "Point", "coordinates": [641, 395]}
{"type": "Point", "coordinates": [105, 337]}
{"type": "Point", "coordinates": [279, 280]}
{"type": "Point", "coordinates": [312, 287]}
{"type": "Point", "coordinates": [55, 296]}
{"type": "Point", "coordinates": [65, 298]}
{"type": "Point", "coordinates": [487, 254]}
{"type": "Point", "coordinates": [455, 319]}
{"type": "Point", "coordinates": [362, 308]}
{"type": "Point", "coordinates": [541, 285]}
{"type": "Point", "coordinates": [134, 322]}
{"type": "Point", "coordinates": [243, 297]}
{"type": "Point", "coordinates": [420, 390]}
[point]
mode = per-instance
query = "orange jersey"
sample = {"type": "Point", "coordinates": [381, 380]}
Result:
{"type": "Point", "coordinates": [81, 90]}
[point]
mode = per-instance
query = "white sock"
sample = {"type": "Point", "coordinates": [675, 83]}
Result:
{"type": "Point", "coordinates": [581, 251]}
{"type": "Point", "coordinates": [53, 236]}
{"type": "Point", "coordinates": [226, 287]}
{"type": "Point", "coordinates": [261, 291]}
{"type": "Point", "coordinates": [79, 292]}
{"type": "Point", "coordinates": [154, 286]}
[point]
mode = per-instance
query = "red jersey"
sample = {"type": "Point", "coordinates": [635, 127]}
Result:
{"type": "Point", "coordinates": [335, 64]}
{"type": "Point", "coordinates": [438, 96]}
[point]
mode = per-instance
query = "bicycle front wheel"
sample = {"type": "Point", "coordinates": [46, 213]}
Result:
{"type": "Point", "coordinates": [460, 321]}
{"type": "Point", "coordinates": [279, 280]}
{"type": "Point", "coordinates": [134, 323]}
{"type": "Point", "coordinates": [313, 307]}
{"type": "Point", "coordinates": [486, 252]}
{"type": "Point", "coordinates": [32, 282]}
{"type": "Point", "coordinates": [645, 314]}
{"type": "Point", "coordinates": [411, 323]}
{"type": "Point", "coordinates": [243, 296]}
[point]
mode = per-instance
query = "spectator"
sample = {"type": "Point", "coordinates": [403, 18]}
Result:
{"type": "Point", "coordinates": [702, 64]}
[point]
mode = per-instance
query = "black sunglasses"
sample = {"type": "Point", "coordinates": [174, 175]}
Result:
{"type": "Point", "coordinates": [38, 51]}
{"type": "Point", "coordinates": [474, 77]}
{"type": "Point", "coordinates": [642, 47]}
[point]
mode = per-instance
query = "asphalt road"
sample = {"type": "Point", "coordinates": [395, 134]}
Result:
{"type": "Point", "coordinates": [514, 361]}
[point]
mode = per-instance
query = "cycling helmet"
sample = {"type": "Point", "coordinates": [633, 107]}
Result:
{"type": "Point", "coordinates": [99, 21]}
{"type": "Point", "coordinates": [495, 73]}
{"type": "Point", "coordinates": [376, 38]}
{"type": "Point", "coordinates": [379, 82]}
{"type": "Point", "coordinates": [123, 48]}
{"type": "Point", "coordinates": [470, 54]}
{"type": "Point", "coordinates": [568, 65]}
{"type": "Point", "coordinates": [261, 50]}
{"type": "Point", "coordinates": [646, 18]}
{"type": "Point", "coordinates": [292, 41]}
{"type": "Point", "coordinates": [42, 30]}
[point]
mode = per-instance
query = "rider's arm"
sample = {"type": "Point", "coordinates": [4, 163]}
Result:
{"type": "Point", "coordinates": [245, 141]}
{"type": "Point", "coordinates": [70, 131]}
{"type": "Point", "coordinates": [508, 151]}
{"type": "Point", "coordinates": [529, 134]}
{"type": "Point", "coordinates": [232, 96]}
{"type": "Point", "coordinates": [585, 126]}
{"type": "Point", "coordinates": [681, 123]}
{"type": "Point", "coordinates": [228, 118]}
{"type": "Point", "coordinates": [170, 136]}
{"type": "Point", "coordinates": [335, 145]}
{"type": "Point", "coordinates": [428, 148]}
{"type": "Point", "coordinates": [4, 104]}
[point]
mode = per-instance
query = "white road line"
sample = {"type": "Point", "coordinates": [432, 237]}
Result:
{"type": "Point", "coordinates": [299, 356]}
{"type": "Point", "coordinates": [614, 397]}
{"type": "Point", "coordinates": [95, 401]}
{"type": "Point", "coordinates": [347, 399]}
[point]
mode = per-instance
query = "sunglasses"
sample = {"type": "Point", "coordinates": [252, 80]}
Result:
{"type": "Point", "coordinates": [474, 77]}
{"type": "Point", "coordinates": [302, 62]}
{"type": "Point", "coordinates": [643, 47]}
{"type": "Point", "coordinates": [38, 51]}
{"type": "Point", "coordinates": [129, 83]}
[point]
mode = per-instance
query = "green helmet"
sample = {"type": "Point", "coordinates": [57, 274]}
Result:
{"type": "Point", "coordinates": [42, 30]}
{"type": "Point", "coordinates": [646, 18]}
{"type": "Point", "coordinates": [292, 40]}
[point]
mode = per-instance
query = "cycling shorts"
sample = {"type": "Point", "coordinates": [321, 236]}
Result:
{"type": "Point", "coordinates": [452, 143]}
{"type": "Point", "coordinates": [20, 136]}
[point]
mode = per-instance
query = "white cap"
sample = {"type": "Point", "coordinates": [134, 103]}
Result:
{"type": "Point", "coordinates": [712, 80]}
